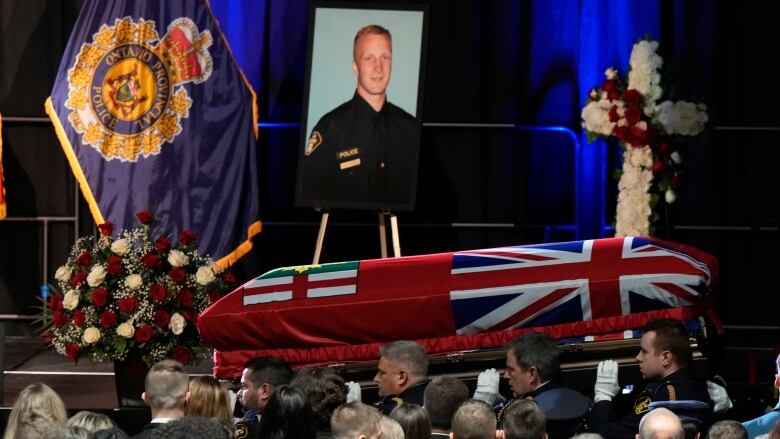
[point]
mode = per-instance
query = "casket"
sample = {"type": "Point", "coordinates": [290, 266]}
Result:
{"type": "Point", "coordinates": [590, 295]}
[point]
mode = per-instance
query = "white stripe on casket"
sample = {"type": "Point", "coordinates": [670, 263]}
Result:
{"type": "Point", "coordinates": [331, 291]}
{"type": "Point", "coordinates": [278, 296]}
{"type": "Point", "coordinates": [343, 274]}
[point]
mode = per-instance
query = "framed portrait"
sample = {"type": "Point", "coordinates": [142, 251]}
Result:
{"type": "Point", "coordinates": [360, 138]}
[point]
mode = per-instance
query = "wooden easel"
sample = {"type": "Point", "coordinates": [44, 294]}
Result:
{"type": "Point", "coordinates": [382, 235]}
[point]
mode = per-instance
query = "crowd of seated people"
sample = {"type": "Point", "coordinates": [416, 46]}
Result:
{"type": "Point", "coordinates": [316, 403]}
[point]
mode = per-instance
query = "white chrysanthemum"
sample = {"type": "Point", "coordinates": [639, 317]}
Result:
{"type": "Point", "coordinates": [632, 216]}
{"type": "Point", "coordinates": [596, 118]}
{"type": "Point", "coordinates": [684, 118]}
{"type": "Point", "coordinates": [611, 73]}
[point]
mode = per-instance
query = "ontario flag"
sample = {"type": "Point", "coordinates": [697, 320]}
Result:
{"type": "Point", "coordinates": [153, 113]}
{"type": "Point", "coordinates": [461, 300]}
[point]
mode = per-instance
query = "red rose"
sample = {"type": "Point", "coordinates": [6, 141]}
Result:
{"type": "Point", "coordinates": [187, 237]}
{"type": "Point", "coordinates": [191, 316]}
{"type": "Point", "coordinates": [609, 85]}
{"type": "Point", "coordinates": [72, 351]}
{"type": "Point", "coordinates": [214, 296]}
{"type": "Point", "coordinates": [60, 319]}
{"type": "Point", "coordinates": [622, 133]}
{"type": "Point", "coordinates": [663, 149]}
{"type": "Point", "coordinates": [632, 97]}
{"type": "Point", "coordinates": [48, 337]}
{"type": "Point", "coordinates": [84, 259]}
{"type": "Point", "coordinates": [633, 115]}
{"type": "Point", "coordinates": [78, 278]}
{"type": "Point", "coordinates": [55, 302]}
{"type": "Point", "coordinates": [145, 217]}
{"type": "Point", "coordinates": [150, 261]}
{"type": "Point", "coordinates": [78, 317]}
{"type": "Point", "coordinates": [114, 264]}
{"type": "Point", "coordinates": [229, 277]}
{"type": "Point", "coordinates": [177, 275]}
{"type": "Point", "coordinates": [107, 319]}
{"type": "Point", "coordinates": [106, 228]}
{"type": "Point", "coordinates": [676, 180]}
{"type": "Point", "coordinates": [128, 304]}
{"type": "Point", "coordinates": [613, 95]}
{"type": "Point", "coordinates": [638, 138]}
{"type": "Point", "coordinates": [100, 297]}
{"type": "Point", "coordinates": [613, 114]}
{"type": "Point", "coordinates": [185, 297]}
{"type": "Point", "coordinates": [659, 168]}
{"type": "Point", "coordinates": [182, 354]}
{"type": "Point", "coordinates": [157, 293]}
{"type": "Point", "coordinates": [143, 334]}
{"type": "Point", "coordinates": [162, 244]}
{"type": "Point", "coordinates": [162, 318]}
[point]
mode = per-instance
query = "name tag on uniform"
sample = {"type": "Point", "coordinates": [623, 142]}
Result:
{"type": "Point", "coordinates": [349, 164]}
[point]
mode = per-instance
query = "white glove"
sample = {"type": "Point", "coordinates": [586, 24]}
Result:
{"type": "Point", "coordinates": [487, 386]}
{"type": "Point", "coordinates": [606, 381]}
{"type": "Point", "coordinates": [719, 396]}
{"type": "Point", "coordinates": [354, 392]}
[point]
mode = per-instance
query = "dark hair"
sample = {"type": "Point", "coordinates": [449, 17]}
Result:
{"type": "Point", "coordinates": [192, 427]}
{"type": "Point", "coordinates": [271, 370]}
{"type": "Point", "coordinates": [474, 419]}
{"type": "Point", "coordinates": [524, 419]}
{"type": "Point", "coordinates": [727, 429]}
{"type": "Point", "coordinates": [670, 335]}
{"type": "Point", "coordinates": [111, 433]}
{"type": "Point", "coordinates": [288, 414]}
{"type": "Point", "coordinates": [537, 350]}
{"type": "Point", "coordinates": [442, 397]}
{"type": "Point", "coordinates": [324, 389]}
{"type": "Point", "coordinates": [414, 421]}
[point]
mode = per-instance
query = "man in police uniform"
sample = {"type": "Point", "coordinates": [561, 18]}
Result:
{"type": "Point", "coordinates": [402, 375]}
{"type": "Point", "coordinates": [663, 358]}
{"type": "Point", "coordinates": [532, 369]}
{"type": "Point", "coordinates": [364, 151]}
{"type": "Point", "coordinates": [260, 377]}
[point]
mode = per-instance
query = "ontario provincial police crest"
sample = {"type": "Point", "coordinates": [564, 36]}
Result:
{"type": "Point", "coordinates": [126, 87]}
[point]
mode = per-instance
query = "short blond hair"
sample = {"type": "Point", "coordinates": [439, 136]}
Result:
{"type": "Point", "coordinates": [209, 398]}
{"type": "Point", "coordinates": [371, 29]}
{"type": "Point", "coordinates": [37, 398]}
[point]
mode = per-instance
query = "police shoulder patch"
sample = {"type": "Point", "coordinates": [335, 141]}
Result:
{"type": "Point", "coordinates": [314, 141]}
{"type": "Point", "coordinates": [241, 431]}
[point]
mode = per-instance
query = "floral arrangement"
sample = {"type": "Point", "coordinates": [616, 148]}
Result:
{"type": "Point", "coordinates": [129, 293]}
{"type": "Point", "coordinates": [629, 111]}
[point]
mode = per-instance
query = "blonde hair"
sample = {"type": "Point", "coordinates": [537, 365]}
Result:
{"type": "Point", "coordinates": [210, 399]}
{"type": "Point", "coordinates": [35, 399]}
{"type": "Point", "coordinates": [90, 421]}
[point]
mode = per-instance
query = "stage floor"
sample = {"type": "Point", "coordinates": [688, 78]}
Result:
{"type": "Point", "coordinates": [82, 386]}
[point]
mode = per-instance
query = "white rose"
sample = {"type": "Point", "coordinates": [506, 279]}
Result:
{"type": "Point", "coordinates": [670, 196]}
{"type": "Point", "coordinates": [178, 259]}
{"type": "Point", "coordinates": [177, 323]}
{"type": "Point", "coordinates": [120, 247]}
{"type": "Point", "coordinates": [134, 281]}
{"type": "Point", "coordinates": [96, 276]}
{"type": "Point", "coordinates": [63, 274]}
{"type": "Point", "coordinates": [71, 300]}
{"type": "Point", "coordinates": [204, 276]}
{"type": "Point", "coordinates": [126, 330]}
{"type": "Point", "coordinates": [91, 335]}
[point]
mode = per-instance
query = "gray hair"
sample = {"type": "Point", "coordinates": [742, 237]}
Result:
{"type": "Point", "coordinates": [727, 430]}
{"type": "Point", "coordinates": [166, 385]}
{"type": "Point", "coordinates": [391, 429]}
{"type": "Point", "coordinates": [409, 355]}
{"type": "Point", "coordinates": [474, 420]}
{"type": "Point", "coordinates": [661, 423]}
{"type": "Point", "coordinates": [90, 421]}
{"type": "Point", "coordinates": [538, 350]}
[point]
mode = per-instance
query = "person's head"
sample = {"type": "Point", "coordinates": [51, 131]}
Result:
{"type": "Point", "coordinates": [660, 423]}
{"type": "Point", "coordinates": [210, 399]}
{"type": "Point", "coordinates": [372, 59]}
{"type": "Point", "coordinates": [90, 421]}
{"type": "Point", "coordinates": [355, 420]}
{"type": "Point", "coordinates": [390, 428]}
{"type": "Point", "coordinates": [325, 390]}
{"type": "Point", "coordinates": [531, 360]}
{"type": "Point", "coordinates": [165, 388]}
{"type": "Point", "coordinates": [524, 419]}
{"type": "Point", "coordinates": [727, 430]}
{"type": "Point", "coordinates": [442, 397]}
{"type": "Point", "coordinates": [39, 399]}
{"type": "Point", "coordinates": [258, 380]}
{"type": "Point", "coordinates": [402, 364]}
{"type": "Point", "coordinates": [193, 427]}
{"type": "Point", "coordinates": [34, 425]}
{"type": "Point", "coordinates": [287, 414]}
{"type": "Point", "coordinates": [474, 419]}
{"type": "Point", "coordinates": [414, 421]}
{"type": "Point", "coordinates": [664, 348]}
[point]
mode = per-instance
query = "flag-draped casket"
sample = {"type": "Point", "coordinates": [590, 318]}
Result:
{"type": "Point", "coordinates": [457, 301]}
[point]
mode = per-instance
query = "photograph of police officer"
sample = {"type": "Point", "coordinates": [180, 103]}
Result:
{"type": "Point", "coordinates": [364, 152]}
